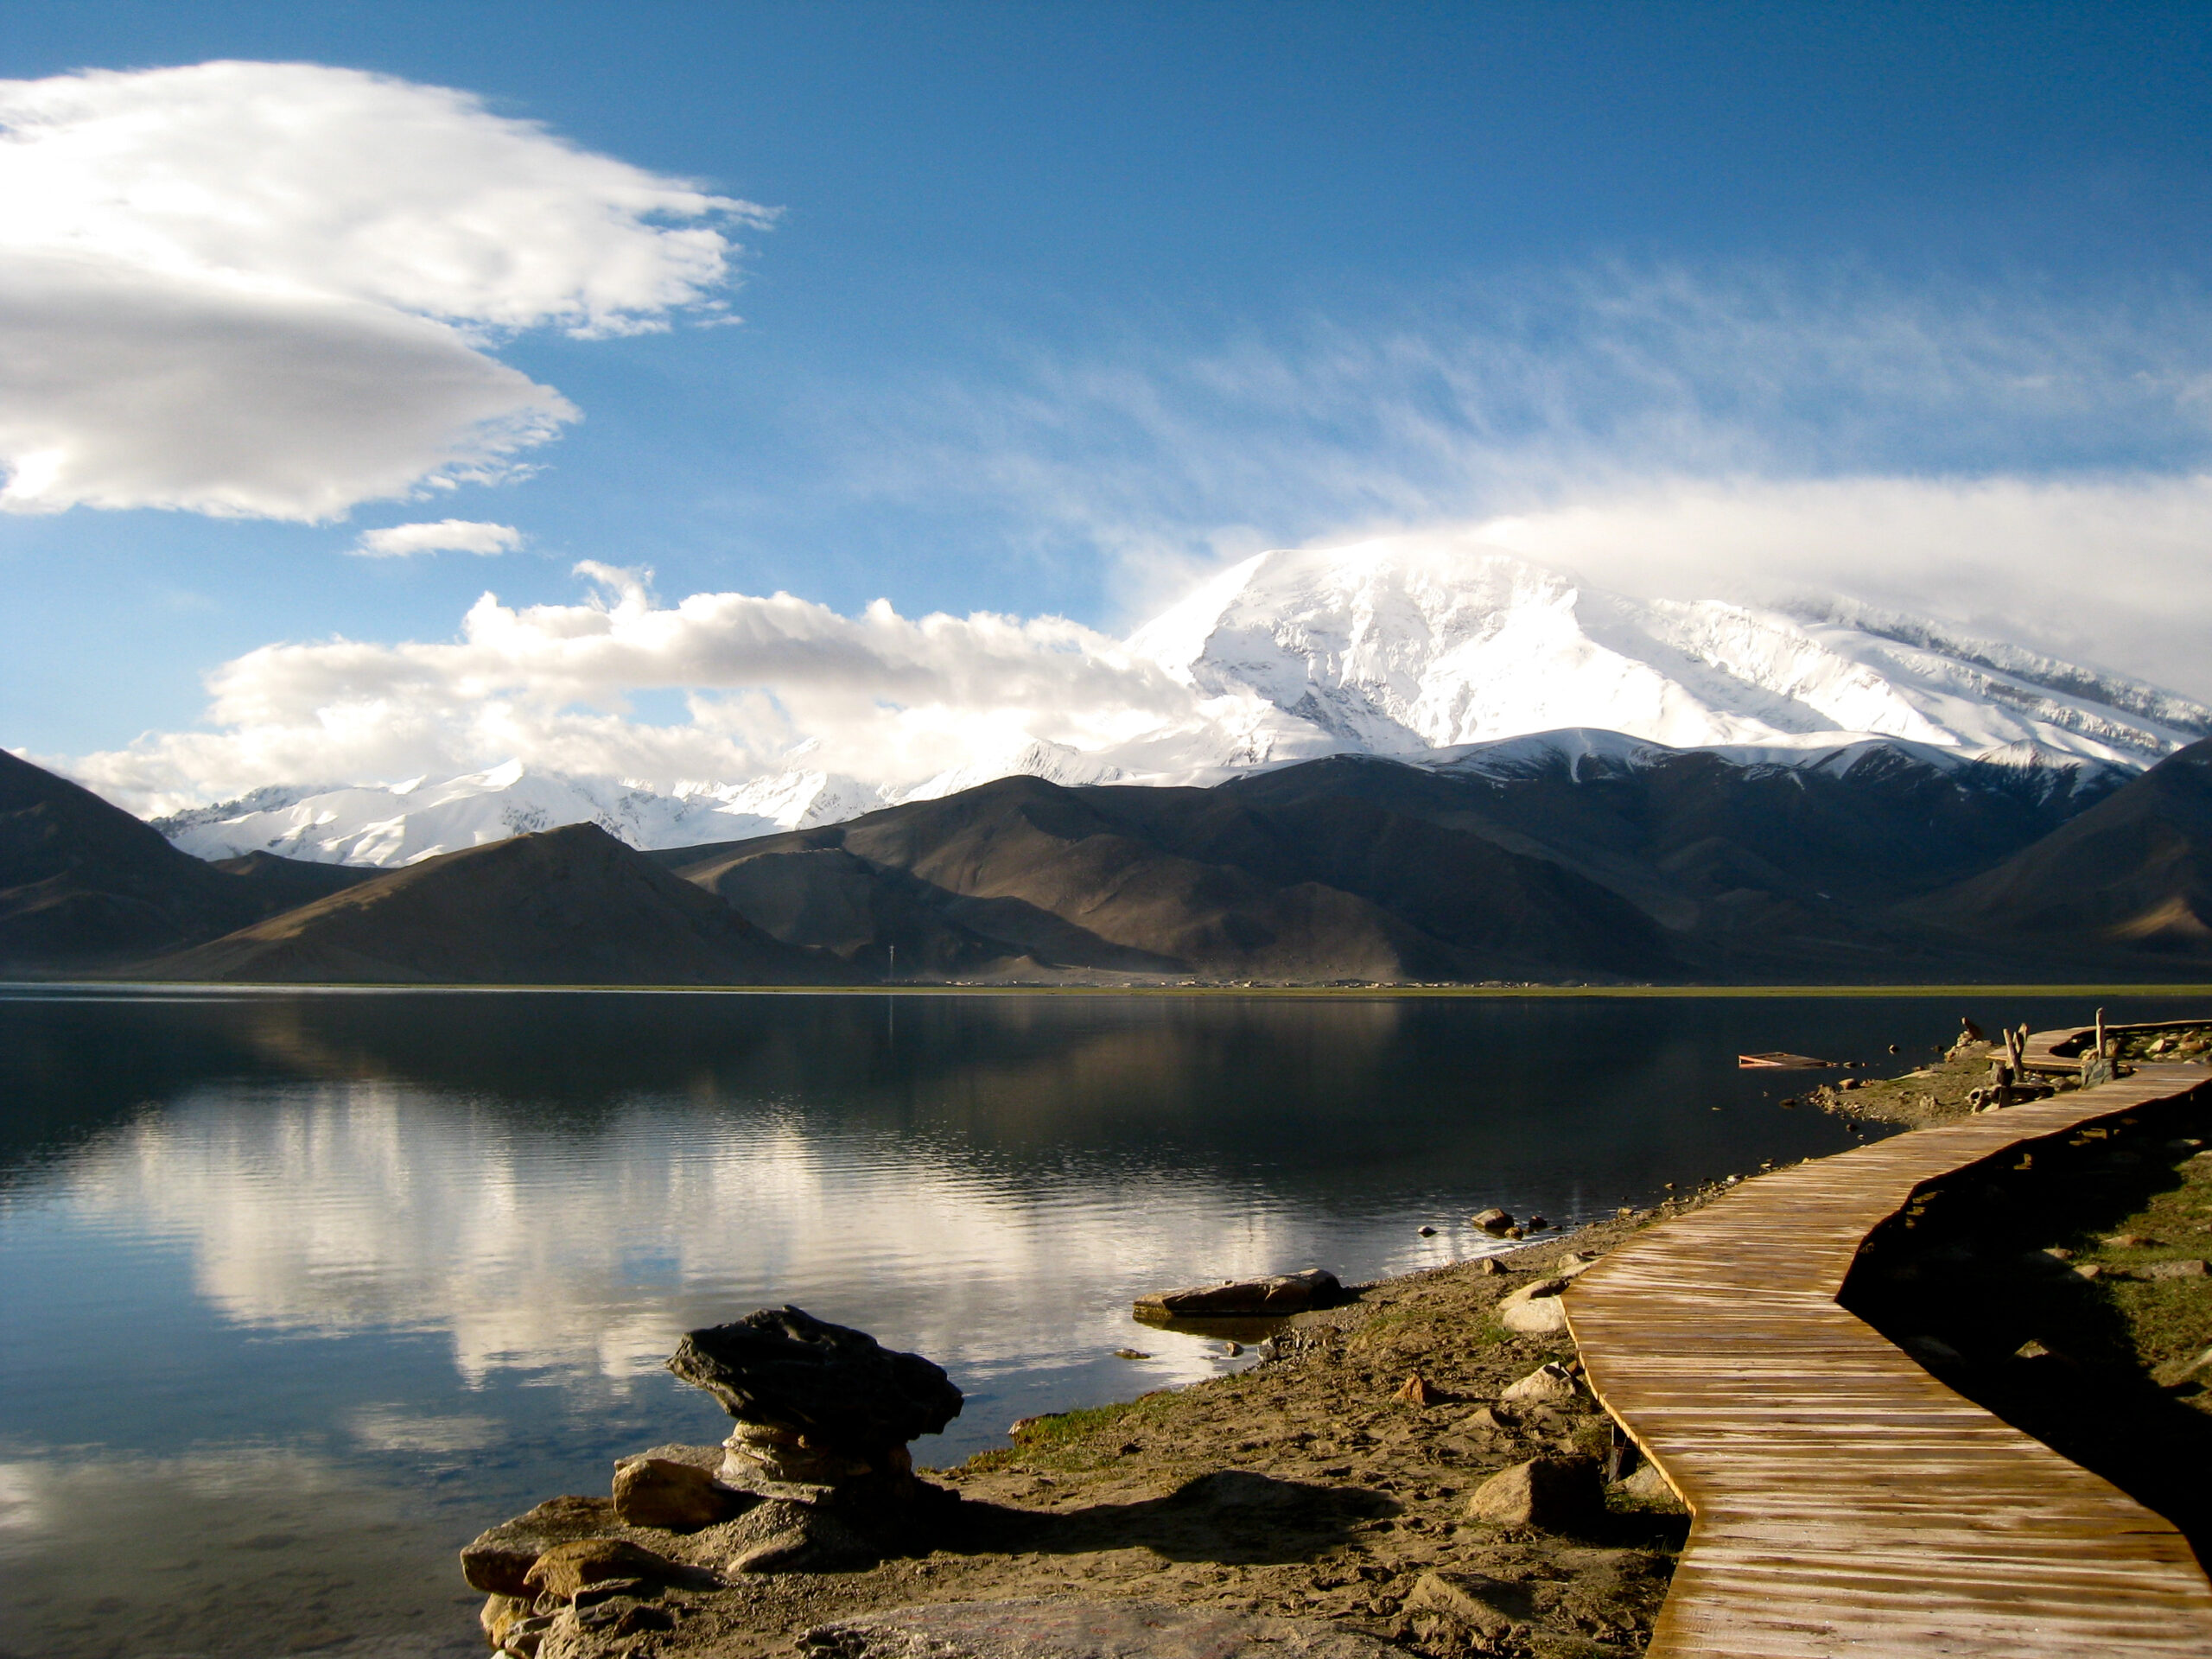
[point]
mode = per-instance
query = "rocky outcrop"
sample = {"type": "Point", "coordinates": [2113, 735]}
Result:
{"type": "Point", "coordinates": [819, 1406]}
{"type": "Point", "coordinates": [815, 1475]}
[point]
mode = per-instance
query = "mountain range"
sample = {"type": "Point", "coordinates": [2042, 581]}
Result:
{"type": "Point", "coordinates": [1417, 654]}
{"type": "Point", "coordinates": [1577, 856]}
{"type": "Point", "coordinates": [1397, 767]}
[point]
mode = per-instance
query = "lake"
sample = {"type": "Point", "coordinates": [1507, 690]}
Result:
{"type": "Point", "coordinates": [302, 1290]}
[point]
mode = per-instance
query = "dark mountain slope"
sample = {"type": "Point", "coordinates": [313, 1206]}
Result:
{"type": "Point", "coordinates": [1175, 881]}
{"type": "Point", "coordinates": [2132, 874]}
{"type": "Point", "coordinates": [1754, 871]}
{"type": "Point", "coordinates": [572, 906]}
{"type": "Point", "coordinates": [85, 885]}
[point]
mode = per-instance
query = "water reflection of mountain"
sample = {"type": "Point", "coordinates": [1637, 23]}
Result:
{"type": "Point", "coordinates": [1312, 1090]}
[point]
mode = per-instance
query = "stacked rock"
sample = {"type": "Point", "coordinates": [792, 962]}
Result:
{"type": "Point", "coordinates": [823, 1411]}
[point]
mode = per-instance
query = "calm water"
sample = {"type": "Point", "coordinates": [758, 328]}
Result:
{"type": "Point", "coordinates": [298, 1292]}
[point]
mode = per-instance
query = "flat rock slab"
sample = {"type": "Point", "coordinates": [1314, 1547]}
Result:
{"type": "Point", "coordinates": [1085, 1629]}
{"type": "Point", "coordinates": [1286, 1293]}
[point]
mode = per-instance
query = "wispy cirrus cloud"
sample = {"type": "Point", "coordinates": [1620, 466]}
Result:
{"type": "Point", "coordinates": [271, 289]}
{"type": "Point", "coordinates": [2030, 462]}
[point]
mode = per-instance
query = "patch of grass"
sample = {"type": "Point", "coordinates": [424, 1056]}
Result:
{"type": "Point", "coordinates": [1067, 1440]}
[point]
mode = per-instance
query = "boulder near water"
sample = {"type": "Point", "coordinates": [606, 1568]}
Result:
{"type": "Point", "coordinates": [824, 1414]}
{"type": "Point", "coordinates": [1281, 1293]}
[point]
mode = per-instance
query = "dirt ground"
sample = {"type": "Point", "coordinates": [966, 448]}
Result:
{"type": "Point", "coordinates": [1299, 1488]}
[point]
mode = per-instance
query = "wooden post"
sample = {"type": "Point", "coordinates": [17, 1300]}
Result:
{"type": "Point", "coordinates": [2100, 1034]}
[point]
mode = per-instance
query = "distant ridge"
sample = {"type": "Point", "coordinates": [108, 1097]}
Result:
{"type": "Point", "coordinates": [2132, 874]}
{"type": "Point", "coordinates": [85, 885]}
{"type": "Point", "coordinates": [571, 905]}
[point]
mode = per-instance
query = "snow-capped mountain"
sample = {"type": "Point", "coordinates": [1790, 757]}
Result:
{"type": "Point", "coordinates": [1449, 658]}
{"type": "Point", "coordinates": [1393, 650]}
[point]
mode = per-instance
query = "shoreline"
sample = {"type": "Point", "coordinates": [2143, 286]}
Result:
{"type": "Point", "coordinates": [155, 988]}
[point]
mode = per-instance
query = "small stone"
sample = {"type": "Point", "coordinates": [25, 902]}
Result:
{"type": "Point", "coordinates": [2088, 1269]}
{"type": "Point", "coordinates": [2185, 1269]}
{"type": "Point", "coordinates": [1536, 1223]}
{"type": "Point", "coordinates": [1232, 1348]}
{"type": "Point", "coordinates": [1647, 1487]}
{"type": "Point", "coordinates": [1534, 1310]}
{"type": "Point", "coordinates": [2059, 1253]}
{"type": "Point", "coordinates": [2186, 1143]}
{"type": "Point", "coordinates": [2126, 1242]}
{"type": "Point", "coordinates": [1489, 1417]}
{"type": "Point", "coordinates": [1513, 1232]}
{"type": "Point", "coordinates": [1933, 1351]}
{"type": "Point", "coordinates": [1547, 1384]}
{"type": "Point", "coordinates": [1428, 1232]}
{"type": "Point", "coordinates": [652, 1492]}
{"type": "Point", "coordinates": [1131, 1353]}
{"type": "Point", "coordinates": [566, 1568]}
{"type": "Point", "coordinates": [1489, 1607]}
{"type": "Point", "coordinates": [1415, 1391]}
{"type": "Point", "coordinates": [2032, 1350]}
{"type": "Point", "coordinates": [1493, 1266]}
{"type": "Point", "coordinates": [501, 1614]}
{"type": "Point", "coordinates": [1550, 1494]}
{"type": "Point", "coordinates": [1492, 1220]}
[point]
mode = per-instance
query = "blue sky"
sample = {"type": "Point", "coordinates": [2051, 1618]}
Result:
{"type": "Point", "coordinates": [1061, 305]}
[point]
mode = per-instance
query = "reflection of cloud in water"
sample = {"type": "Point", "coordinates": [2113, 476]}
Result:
{"type": "Point", "coordinates": [337, 1207]}
{"type": "Point", "coordinates": [395, 1428]}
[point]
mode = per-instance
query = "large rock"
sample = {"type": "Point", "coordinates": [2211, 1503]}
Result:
{"type": "Point", "coordinates": [1534, 1310]}
{"type": "Point", "coordinates": [1085, 1629]}
{"type": "Point", "coordinates": [1546, 1385]}
{"type": "Point", "coordinates": [2184, 1269]}
{"type": "Point", "coordinates": [1288, 1293]}
{"type": "Point", "coordinates": [651, 1491]}
{"type": "Point", "coordinates": [1550, 1494]}
{"type": "Point", "coordinates": [840, 1387]}
{"type": "Point", "coordinates": [499, 1561]}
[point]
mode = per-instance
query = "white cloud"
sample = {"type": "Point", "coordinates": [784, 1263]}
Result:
{"type": "Point", "coordinates": [266, 290]}
{"type": "Point", "coordinates": [878, 695]}
{"type": "Point", "coordinates": [447, 536]}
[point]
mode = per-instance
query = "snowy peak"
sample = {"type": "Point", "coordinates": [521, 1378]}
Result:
{"type": "Point", "coordinates": [1390, 648]}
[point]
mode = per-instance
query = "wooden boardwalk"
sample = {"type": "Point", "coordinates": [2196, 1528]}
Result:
{"type": "Point", "coordinates": [1843, 1501]}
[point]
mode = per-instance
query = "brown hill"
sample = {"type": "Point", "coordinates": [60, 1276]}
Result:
{"type": "Point", "coordinates": [572, 906]}
{"type": "Point", "coordinates": [2133, 874]}
{"type": "Point", "coordinates": [83, 885]}
{"type": "Point", "coordinates": [1021, 875]}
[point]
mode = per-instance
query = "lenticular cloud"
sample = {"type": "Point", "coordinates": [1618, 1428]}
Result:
{"type": "Point", "coordinates": [264, 290]}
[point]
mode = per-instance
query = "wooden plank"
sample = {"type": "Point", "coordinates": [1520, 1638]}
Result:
{"type": "Point", "coordinates": [1842, 1500]}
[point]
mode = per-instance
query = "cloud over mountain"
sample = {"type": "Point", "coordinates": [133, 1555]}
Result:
{"type": "Point", "coordinates": [1401, 646]}
{"type": "Point", "coordinates": [267, 291]}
